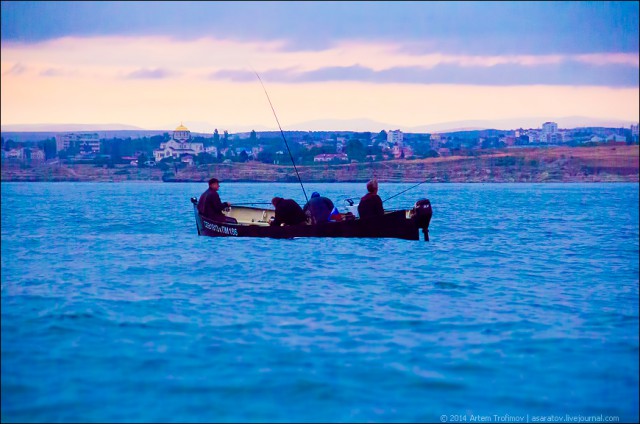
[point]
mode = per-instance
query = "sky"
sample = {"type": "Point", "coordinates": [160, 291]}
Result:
{"type": "Point", "coordinates": [325, 65]}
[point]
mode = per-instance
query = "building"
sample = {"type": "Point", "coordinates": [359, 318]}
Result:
{"type": "Point", "coordinates": [615, 139]}
{"type": "Point", "coordinates": [86, 142]}
{"type": "Point", "coordinates": [35, 155]}
{"type": "Point", "coordinates": [548, 131]}
{"type": "Point", "coordinates": [567, 136]}
{"type": "Point", "coordinates": [328, 157]}
{"type": "Point", "coordinates": [435, 141]}
{"type": "Point", "coordinates": [554, 138]}
{"type": "Point", "coordinates": [398, 151]}
{"type": "Point", "coordinates": [16, 154]}
{"type": "Point", "coordinates": [394, 136]}
{"type": "Point", "coordinates": [178, 146]}
{"type": "Point", "coordinates": [509, 140]}
{"type": "Point", "coordinates": [28, 154]}
{"type": "Point", "coordinates": [534, 136]}
{"type": "Point", "coordinates": [634, 132]}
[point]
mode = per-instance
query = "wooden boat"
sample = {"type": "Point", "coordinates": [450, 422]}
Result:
{"type": "Point", "coordinates": [254, 222]}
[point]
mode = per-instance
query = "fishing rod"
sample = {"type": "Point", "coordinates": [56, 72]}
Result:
{"type": "Point", "coordinates": [404, 191]}
{"type": "Point", "coordinates": [283, 137]}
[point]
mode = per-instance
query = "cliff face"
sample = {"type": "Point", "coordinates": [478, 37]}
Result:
{"type": "Point", "coordinates": [562, 164]}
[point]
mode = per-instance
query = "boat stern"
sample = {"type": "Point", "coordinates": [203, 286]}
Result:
{"type": "Point", "coordinates": [194, 201]}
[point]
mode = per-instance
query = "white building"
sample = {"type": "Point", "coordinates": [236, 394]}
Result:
{"type": "Point", "coordinates": [36, 155]}
{"type": "Point", "coordinates": [616, 138]}
{"type": "Point", "coordinates": [555, 138]}
{"type": "Point", "coordinates": [534, 136]}
{"type": "Point", "coordinates": [328, 157]}
{"type": "Point", "coordinates": [178, 146]}
{"type": "Point", "coordinates": [25, 154]}
{"type": "Point", "coordinates": [399, 151]}
{"type": "Point", "coordinates": [394, 136]}
{"type": "Point", "coordinates": [86, 142]}
{"type": "Point", "coordinates": [15, 154]}
{"type": "Point", "coordinates": [548, 131]}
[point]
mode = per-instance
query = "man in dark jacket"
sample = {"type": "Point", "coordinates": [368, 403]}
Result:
{"type": "Point", "coordinates": [288, 212]}
{"type": "Point", "coordinates": [318, 208]}
{"type": "Point", "coordinates": [371, 204]}
{"type": "Point", "coordinates": [210, 206]}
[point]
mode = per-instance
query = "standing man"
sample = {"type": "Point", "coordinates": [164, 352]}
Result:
{"type": "Point", "coordinates": [210, 205]}
{"type": "Point", "coordinates": [371, 204]}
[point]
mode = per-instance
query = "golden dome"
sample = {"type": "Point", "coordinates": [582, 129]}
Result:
{"type": "Point", "coordinates": [182, 128]}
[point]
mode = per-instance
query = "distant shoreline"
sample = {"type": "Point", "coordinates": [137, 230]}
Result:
{"type": "Point", "coordinates": [554, 165]}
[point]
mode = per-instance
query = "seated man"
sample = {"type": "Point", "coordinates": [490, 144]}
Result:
{"type": "Point", "coordinates": [371, 204]}
{"type": "Point", "coordinates": [318, 209]}
{"type": "Point", "coordinates": [288, 212]}
{"type": "Point", "coordinates": [210, 206]}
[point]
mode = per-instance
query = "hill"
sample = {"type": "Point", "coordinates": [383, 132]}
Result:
{"type": "Point", "coordinates": [560, 164]}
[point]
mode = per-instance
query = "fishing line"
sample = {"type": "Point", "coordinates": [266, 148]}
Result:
{"type": "Point", "coordinates": [403, 191]}
{"type": "Point", "coordinates": [282, 133]}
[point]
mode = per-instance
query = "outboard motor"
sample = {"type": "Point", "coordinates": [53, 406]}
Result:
{"type": "Point", "coordinates": [351, 208]}
{"type": "Point", "coordinates": [421, 214]}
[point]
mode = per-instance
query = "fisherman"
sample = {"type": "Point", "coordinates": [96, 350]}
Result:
{"type": "Point", "coordinates": [318, 209]}
{"type": "Point", "coordinates": [210, 205]}
{"type": "Point", "coordinates": [288, 212]}
{"type": "Point", "coordinates": [370, 203]}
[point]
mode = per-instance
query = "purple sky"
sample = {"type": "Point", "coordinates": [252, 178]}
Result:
{"type": "Point", "coordinates": [313, 55]}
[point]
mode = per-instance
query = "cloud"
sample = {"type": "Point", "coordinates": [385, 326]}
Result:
{"type": "Point", "coordinates": [567, 73]}
{"type": "Point", "coordinates": [57, 72]}
{"type": "Point", "coordinates": [157, 73]}
{"type": "Point", "coordinates": [244, 75]}
{"type": "Point", "coordinates": [17, 69]}
{"type": "Point", "coordinates": [236, 75]}
{"type": "Point", "coordinates": [363, 61]}
{"type": "Point", "coordinates": [468, 28]}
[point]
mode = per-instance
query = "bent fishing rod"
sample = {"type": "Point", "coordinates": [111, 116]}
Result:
{"type": "Point", "coordinates": [283, 137]}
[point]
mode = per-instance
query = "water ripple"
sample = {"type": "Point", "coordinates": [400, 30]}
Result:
{"type": "Point", "coordinates": [522, 287]}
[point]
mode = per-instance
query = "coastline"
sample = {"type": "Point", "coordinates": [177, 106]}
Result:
{"type": "Point", "coordinates": [560, 164]}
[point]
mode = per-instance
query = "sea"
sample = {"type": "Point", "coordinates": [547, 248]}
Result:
{"type": "Point", "coordinates": [522, 307]}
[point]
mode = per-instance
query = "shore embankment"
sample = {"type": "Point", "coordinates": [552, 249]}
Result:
{"type": "Point", "coordinates": [558, 164]}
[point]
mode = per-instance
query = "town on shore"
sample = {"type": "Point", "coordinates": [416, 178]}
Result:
{"type": "Point", "coordinates": [545, 154]}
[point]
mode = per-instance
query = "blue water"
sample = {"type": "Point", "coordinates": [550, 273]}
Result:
{"type": "Point", "coordinates": [525, 302]}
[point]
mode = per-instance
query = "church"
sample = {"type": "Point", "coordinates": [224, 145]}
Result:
{"type": "Point", "coordinates": [178, 146]}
